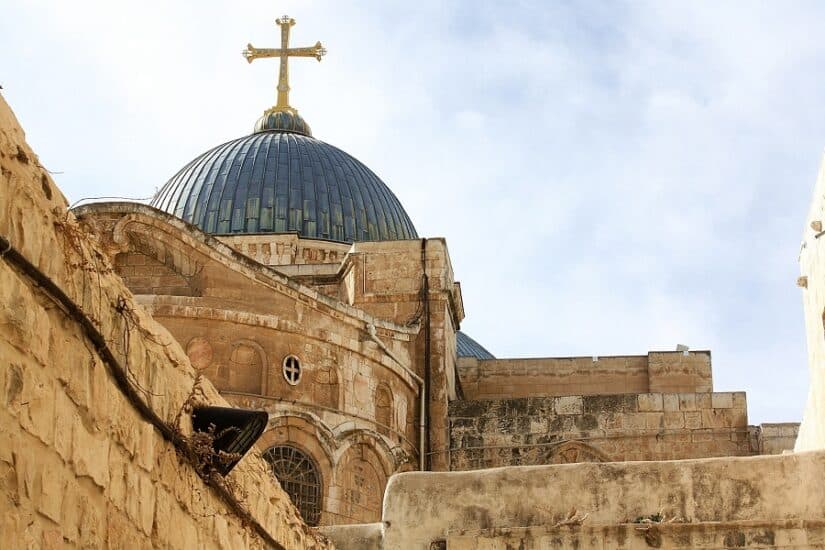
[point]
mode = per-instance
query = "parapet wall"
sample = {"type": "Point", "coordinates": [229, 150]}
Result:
{"type": "Point", "coordinates": [84, 462]}
{"type": "Point", "coordinates": [657, 372]}
{"type": "Point", "coordinates": [600, 428]}
{"type": "Point", "coordinates": [776, 437]}
{"type": "Point", "coordinates": [791, 534]}
{"type": "Point", "coordinates": [757, 502]}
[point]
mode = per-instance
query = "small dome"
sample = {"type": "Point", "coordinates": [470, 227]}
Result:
{"type": "Point", "coordinates": [279, 181]}
{"type": "Point", "coordinates": [467, 347]}
{"type": "Point", "coordinates": [283, 121]}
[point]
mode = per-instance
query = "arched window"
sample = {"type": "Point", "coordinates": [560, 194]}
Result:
{"type": "Point", "coordinates": [299, 477]}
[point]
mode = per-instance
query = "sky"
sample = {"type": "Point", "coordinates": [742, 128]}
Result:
{"type": "Point", "coordinates": [611, 178]}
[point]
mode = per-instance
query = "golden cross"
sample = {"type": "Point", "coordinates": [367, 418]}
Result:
{"type": "Point", "coordinates": [252, 53]}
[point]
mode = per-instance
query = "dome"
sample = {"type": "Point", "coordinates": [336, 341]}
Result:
{"type": "Point", "coordinates": [282, 180]}
{"type": "Point", "coordinates": [467, 347]}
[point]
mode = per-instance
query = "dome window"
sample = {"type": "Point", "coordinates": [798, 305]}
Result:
{"type": "Point", "coordinates": [292, 370]}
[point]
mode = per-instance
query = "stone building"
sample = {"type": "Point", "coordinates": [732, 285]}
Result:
{"type": "Point", "coordinates": [96, 396]}
{"type": "Point", "coordinates": [297, 284]}
{"type": "Point", "coordinates": [276, 272]}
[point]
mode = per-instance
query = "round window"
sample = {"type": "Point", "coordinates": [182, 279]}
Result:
{"type": "Point", "coordinates": [292, 369]}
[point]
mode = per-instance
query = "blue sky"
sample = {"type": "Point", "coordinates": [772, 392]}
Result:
{"type": "Point", "coordinates": [611, 178]}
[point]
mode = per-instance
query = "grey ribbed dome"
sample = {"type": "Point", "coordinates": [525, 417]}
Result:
{"type": "Point", "coordinates": [467, 347]}
{"type": "Point", "coordinates": [277, 182]}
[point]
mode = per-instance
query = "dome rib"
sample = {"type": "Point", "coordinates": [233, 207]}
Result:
{"type": "Point", "coordinates": [188, 202]}
{"type": "Point", "coordinates": [322, 207]}
{"type": "Point", "coordinates": [236, 194]}
{"type": "Point", "coordinates": [278, 182]}
{"type": "Point", "coordinates": [387, 212]}
{"type": "Point", "coordinates": [217, 173]}
{"type": "Point", "coordinates": [254, 191]}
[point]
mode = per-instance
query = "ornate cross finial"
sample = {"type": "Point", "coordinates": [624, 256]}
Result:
{"type": "Point", "coordinates": [252, 53]}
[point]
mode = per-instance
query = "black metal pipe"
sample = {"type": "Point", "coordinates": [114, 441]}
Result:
{"type": "Point", "coordinates": [425, 287]}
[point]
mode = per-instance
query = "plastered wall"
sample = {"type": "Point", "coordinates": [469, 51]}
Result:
{"type": "Point", "coordinates": [812, 287]}
{"type": "Point", "coordinates": [633, 536]}
{"type": "Point", "coordinates": [757, 502]}
{"type": "Point", "coordinates": [79, 465]}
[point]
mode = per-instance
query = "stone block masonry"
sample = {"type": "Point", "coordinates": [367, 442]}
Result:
{"type": "Point", "coordinates": [657, 372]}
{"type": "Point", "coordinates": [80, 465]}
{"type": "Point", "coordinates": [598, 428]}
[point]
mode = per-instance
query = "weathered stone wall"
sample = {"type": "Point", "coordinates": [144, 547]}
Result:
{"type": "Point", "coordinates": [679, 372]}
{"type": "Point", "coordinates": [812, 282]}
{"type": "Point", "coordinates": [144, 274]}
{"type": "Point", "coordinates": [385, 279]}
{"type": "Point", "coordinates": [656, 372]}
{"type": "Point", "coordinates": [248, 359]}
{"type": "Point", "coordinates": [79, 464]}
{"type": "Point", "coordinates": [287, 249]}
{"type": "Point", "coordinates": [777, 437]}
{"type": "Point", "coordinates": [364, 536]}
{"type": "Point", "coordinates": [634, 536]}
{"type": "Point", "coordinates": [598, 428]}
{"type": "Point", "coordinates": [757, 502]}
{"type": "Point", "coordinates": [322, 310]}
{"type": "Point", "coordinates": [310, 261]}
{"type": "Point", "coordinates": [244, 320]}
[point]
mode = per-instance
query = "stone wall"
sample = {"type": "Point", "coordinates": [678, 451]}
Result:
{"type": "Point", "coordinates": [777, 437]}
{"type": "Point", "coordinates": [241, 323]}
{"type": "Point", "coordinates": [656, 372]}
{"type": "Point", "coordinates": [756, 502]}
{"type": "Point", "coordinates": [322, 310]}
{"type": "Point", "coordinates": [634, 536]}
{"type": "Point", "coordinates": [144, 274]}
{"type": "Point", "coordinates": [287, 249]}
{"type": "Point", "coordinates": [598, 428]}
{"type": "Point", "coordinates": [386, 279]}
{"type": "Point", "coordinates": [812, 283]}
{"type": "Point", "coordinates": [80, 464]}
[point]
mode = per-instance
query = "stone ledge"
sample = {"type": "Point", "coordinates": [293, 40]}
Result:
{"type": "Point", "coordinates": [420, 507]}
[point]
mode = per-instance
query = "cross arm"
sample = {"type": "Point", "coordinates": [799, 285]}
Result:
{"type": "Point", "coordinates": [252, 53]}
